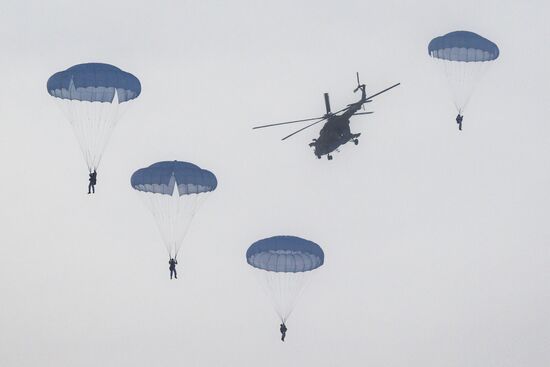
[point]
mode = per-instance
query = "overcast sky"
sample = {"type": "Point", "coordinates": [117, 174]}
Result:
{"type": "Point", "coordinates": [436, 242]}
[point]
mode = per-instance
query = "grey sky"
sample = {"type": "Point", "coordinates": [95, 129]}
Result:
{"type": "Point", "coordinates": [436, 243]}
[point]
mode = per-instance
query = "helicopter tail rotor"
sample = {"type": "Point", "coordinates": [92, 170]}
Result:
{"type": "Point", "coordinates": [359, 85]}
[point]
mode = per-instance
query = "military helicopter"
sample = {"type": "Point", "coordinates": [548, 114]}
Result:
{"type": "Point", "coordinates": [336, 131]}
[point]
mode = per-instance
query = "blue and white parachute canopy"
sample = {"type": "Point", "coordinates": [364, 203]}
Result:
{"type": "Point", "coordinates": [285, 254]}
{"type": "Point", "coordinates": [94, 82]}
{"type": "Point", "coordinates": [162, 177]}
{"type": "Point", "coordinates": [463, 46]}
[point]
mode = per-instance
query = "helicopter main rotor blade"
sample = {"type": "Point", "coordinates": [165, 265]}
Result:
{"type": "Point", "coordinates": [302, 129]}
{"type": "Point", "coordinates": [363, 113]}
{"type": "Point", "coordinates": [287, 122]}
{"type": "Point", "coordinates": [382, 91]}
{"type": "Point", "coordinates": [343, 109]}
{"type": "Point", "coordinates": [367, 100]}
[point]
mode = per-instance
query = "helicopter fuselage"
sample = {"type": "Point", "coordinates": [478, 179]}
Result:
{"type": "Point", "coordinates": [335, 133]}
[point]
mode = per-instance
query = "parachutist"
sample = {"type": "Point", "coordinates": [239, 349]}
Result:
{"type": "Point", "coordinates": [283, 330]}
{"type": "Point", "coordinates": [459, 118]}
{"type": "Point", "coordinates": [460, 53]}
{"type": "Point", "coordinates": [173, 190]}
{"type": "Point", "coordinates": [93, 95]}
{"type": "Point", "coordinates": [173, 262]}
{"type": "Point", "coordinates": [279, 260]}
{"type": "Point", "coordinates": [93, 181]}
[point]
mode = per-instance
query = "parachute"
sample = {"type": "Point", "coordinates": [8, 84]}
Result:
{"type": "Point", "coordinates": [93, 98]}
{"type": "Point", "coordinates": [173, 191]}
{"type": "Point", "coordinates": [465, 57]}
{"type": "Point", "coordinates": [284, 264]}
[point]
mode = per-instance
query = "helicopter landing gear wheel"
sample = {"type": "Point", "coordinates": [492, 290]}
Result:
{"type": "Point", "coordinates": [329, 157]}
{"type": "Point", "coordinates": [318, 157]}
{"type": "Point", "coordinates": [356, 141]}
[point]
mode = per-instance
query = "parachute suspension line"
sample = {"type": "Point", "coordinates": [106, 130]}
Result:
{"type": "Point", "coordinates": [284, 289]}
{"type": "Point", "coordinates": [269, 286]}
{"type": "Point", "coordinates": [270, 289]}
{"type": "Point", "coordinates": [93, 124]}
{"type": "Point", "coordinates": [463, 78]}
{"type": "Point", "coordinates": [275, 291]}
{"type": "Point", "coordinates": [298, 287]}
{"type": "Point", "coordinates": [160, 205]}
{"type": "Point", "coordinates": [173, 215]}
{"type": "Point", "coordinates": [193, 202]}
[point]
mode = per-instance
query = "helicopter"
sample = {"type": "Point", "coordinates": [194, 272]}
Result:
{"type": "Point", "coordinates": [336, 130]}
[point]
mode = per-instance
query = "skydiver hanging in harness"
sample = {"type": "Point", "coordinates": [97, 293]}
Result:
{"type": "Point", "coordinates": [173, 262]}
{"type": "Point", "coordinates": [459, 118]}
{"type": "Point", "coordinates": [283, 330]}
{"type": "Point", "coordinates": [93, 181]}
